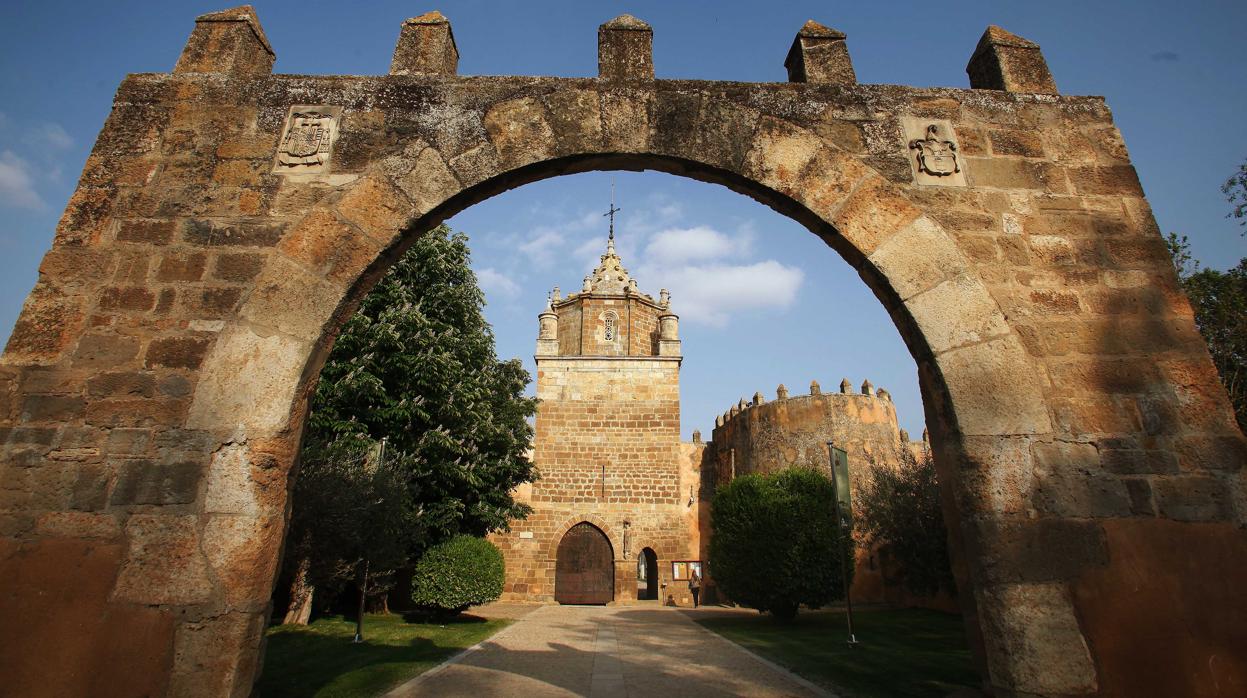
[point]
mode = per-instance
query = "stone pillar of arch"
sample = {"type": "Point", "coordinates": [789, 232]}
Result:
{"type": "Point", "coordinates": [229, 220]}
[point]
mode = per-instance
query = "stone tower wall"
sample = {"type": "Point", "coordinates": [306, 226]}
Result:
{"type": "Point", "coordinates": [619, 416]}
{"type": "Point", "coordinates": [794, 431]}
{"type": "Point", "coordinates": [584, 322]}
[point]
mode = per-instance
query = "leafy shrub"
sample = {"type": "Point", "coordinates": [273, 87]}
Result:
{"type": "Point", "coordinates": [774, 542]}
{"type": "Point", "coordinates": [899, 509]}
{"type": "Point", "coordinates": [461, 572]}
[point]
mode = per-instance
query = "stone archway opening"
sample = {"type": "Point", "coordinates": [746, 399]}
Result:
{"type": "Point", "coordinates": [1084, 444]}
{"type": "Point", "coordinates": [647, 575]}
{"type": "Point", "coordinates": [935, 398]}
{"type": "Point", "coordinates": [585, 565]}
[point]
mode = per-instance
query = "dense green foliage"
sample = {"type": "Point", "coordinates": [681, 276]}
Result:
{"type": "Point", "coordinates": [351, 508]}
{"type": "Point", "coordinates": [1235, 190]}
{"type": "Point", "coordinates": [775, 542]}
{"type": "Point", "coordinates": [898, 508]}
{"type": "Point", "coordinates": [1219, 299]}
{"type": "Point", "coordinates": [910, 652]}
{"type": "Point", "coordinates": [320, 659]}
{"type": "Point", "coordinates": [461, 572]}
{"type": "Point", "coordinates": [415, 366]}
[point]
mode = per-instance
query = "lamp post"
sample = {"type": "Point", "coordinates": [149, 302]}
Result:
{"type": "Point", "coordinates": [844, 511]}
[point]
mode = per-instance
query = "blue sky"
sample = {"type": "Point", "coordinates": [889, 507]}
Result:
{"type": "Point", "coordinates": [762, 301]}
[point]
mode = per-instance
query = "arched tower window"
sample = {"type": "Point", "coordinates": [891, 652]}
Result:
{"type": "Point", "coordinates": [612, 327]}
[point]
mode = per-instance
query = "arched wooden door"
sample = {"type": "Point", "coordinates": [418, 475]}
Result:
{"type": "Point", "coordinates": [585, 569]}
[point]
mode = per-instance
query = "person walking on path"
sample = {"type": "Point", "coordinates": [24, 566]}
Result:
{"type": "Point", "coordinates": [694, 586]}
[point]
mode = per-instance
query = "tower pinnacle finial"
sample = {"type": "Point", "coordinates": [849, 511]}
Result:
{"type": "Point", "coordinates": [611, 214]}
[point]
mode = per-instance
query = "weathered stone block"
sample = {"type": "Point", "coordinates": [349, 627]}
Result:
{"type": "Point", "coordinates": [1192, 498]}
{"type": "Point", "coordinates": [123, 383]}
{"type": "Point", "coordinates": [426, 46]}
{"type": "Point", "coordinates": [181, 267]}
{"type": "Point", "coordinates": [292, 300]}
{"type": "Point", "coordinates": [148, 482]}
{"type": "Point", "coordinates": [1034, 643]}
{"type": "Point", "coordinates": [216, 656]}
{"type": "Point", "coordinates": [575, 117]}
{"type": "Point", "coordinates": [164, 563]}
{"type": "Point", "coordinates": [77, 524]}
{"type": "Point", "coordinates": [331, 247]}
{"type": "Point", "coordinates": [52, 408]}
{"type": "Point", "coordinates": [1034, 550]}
{"type": "Point", "coordinates": [133, 298]}
{"type": "Point", "coordinates": [872, 214]}
{"type": "Point", "coordinates": [177, 352]}
{"type": "Point", "coordinates": [520, 132]}
{"type": "Point", "coordinates": [90, 489]}
{"type": "Point", "coordinates": [1004, 61]}
{"type": "Point", "coordinates": [243, 552]}
{"type": "Point", "coordinates": [262, 403]}
{"type": "Point", "coordinates": [136, 412]}
{"type": "Point", "coordinates": [214, 233]}
{"type": "Point", "coordinates": [1070, 483]}
{"type": "Point", "coordinates": [429, 181]}
{"type": "Point", "coordinates": [955, 313]}
{"type": "Point", "coordinates": [241, 266]}
{"type": "Point", "coordinates": [819, 54]}
{"type": "Point", "coordinates": [230, 41]}
{"type": "Point", "coordinates": [625, 49]}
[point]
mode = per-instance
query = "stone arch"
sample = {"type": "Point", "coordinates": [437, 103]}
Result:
{"type": "Point", "coordinates": [552, 545]}
{"type": "Point", "coordinates": [153, 420]}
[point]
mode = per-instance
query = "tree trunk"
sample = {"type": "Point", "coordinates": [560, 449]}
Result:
{"type": "Point", "coordinates": [300, 610]}
{"type": "Point", "coordinates": [363, 596]}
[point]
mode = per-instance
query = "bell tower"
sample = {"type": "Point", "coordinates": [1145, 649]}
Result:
{"type": "Point", "coordinates": [606, 444]}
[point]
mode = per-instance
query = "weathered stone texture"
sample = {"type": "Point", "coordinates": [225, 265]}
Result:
{"type": "Point", "coordinates": [191, 293]}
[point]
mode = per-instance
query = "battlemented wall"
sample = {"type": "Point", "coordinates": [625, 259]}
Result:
{"type": "Point", "coordinates": [793, 431]}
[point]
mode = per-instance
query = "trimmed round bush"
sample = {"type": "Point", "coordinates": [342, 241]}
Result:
{"type": "Point", "coordinates": [461, 572]}
{"type": "Point", "coordinates": [776, 544]}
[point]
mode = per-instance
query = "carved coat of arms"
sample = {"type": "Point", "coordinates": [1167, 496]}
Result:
{"type": "Point", "coordinates": [308, 140]}
{"type": "Point", "coordinates": [936, 157]}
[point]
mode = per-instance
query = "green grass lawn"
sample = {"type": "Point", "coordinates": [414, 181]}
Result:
{"type": "Point", "coordinates": [320, 660]}
{"type": "Point", "coordinates": [901, 652]}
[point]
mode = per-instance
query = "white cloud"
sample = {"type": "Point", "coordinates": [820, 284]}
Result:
{"type": "Point", "coordinates": [543, 247]}
{"type": "Point", "coordinates": [679, 245]}
{"type": "Point", "coordinates": [16, 183]}
{"type": "Point", "coordinates": [709, 294]}
{"type": "Point", "coordinates": [494, 281]}
{"type": "Point", "coordinates": [52, 134]}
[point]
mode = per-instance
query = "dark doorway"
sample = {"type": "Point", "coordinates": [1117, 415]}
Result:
{"type": "Point", "coordinates": [647, 575]}
{"type": "Point", "coordinates": [585, 570]}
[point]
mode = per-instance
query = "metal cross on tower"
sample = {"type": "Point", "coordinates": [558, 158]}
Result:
{"type": "Point", "coordinates": [612, 212]}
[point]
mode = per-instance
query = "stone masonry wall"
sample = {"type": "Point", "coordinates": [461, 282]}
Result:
{"type": "Point", "coordinates": [616, 416]}
{"type": "Point", "coordinates": [794, 430]}
{"type": "Point", "coordinates": [607, 451]}
{"type": "Point", "coordinates": [154, 387]}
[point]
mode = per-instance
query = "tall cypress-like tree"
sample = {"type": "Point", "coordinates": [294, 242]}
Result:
{"type": "Point", "coordinates": [416, 366]}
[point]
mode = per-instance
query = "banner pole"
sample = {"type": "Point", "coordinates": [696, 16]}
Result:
{"type": "Point", "coordinates": [842, 523]}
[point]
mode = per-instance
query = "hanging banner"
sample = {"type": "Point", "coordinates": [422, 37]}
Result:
{"type": "Point", "coordinates": [840, 478]}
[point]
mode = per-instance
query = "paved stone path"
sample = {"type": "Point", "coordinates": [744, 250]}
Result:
{"type": "Point", "coordinates": [606, 652]}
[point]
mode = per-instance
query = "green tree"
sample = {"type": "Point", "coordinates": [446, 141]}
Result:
{"type": "Point", "coordinates": [416, 366]}
{"type": "Point", "coordinates": [1235, 190]}
{"type": "Point", "coordinates": [351, 521]}
{"type": "Point", "coordinates": [776, 544]}
{"type": "Point", "coordinates": [899, 509]}
{"type": "Point", "coordinates": [1219, 299]}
